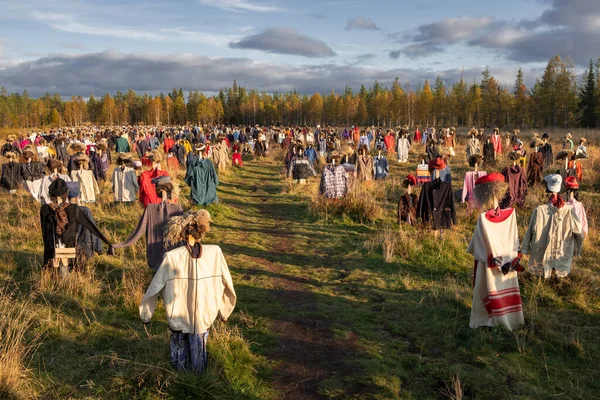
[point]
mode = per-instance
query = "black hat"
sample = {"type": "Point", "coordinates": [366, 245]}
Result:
{"type": "Point", "coordinates": [57, 188]}
{"type": "Point", "coordinates": [545, 136]}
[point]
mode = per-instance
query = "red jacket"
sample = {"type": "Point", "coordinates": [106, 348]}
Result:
{"type": "Point", "coordinates": [237, 159]}
{"type": "Point", "coordinates": [168, 144]}
{"type": "Point", "coordinates": [148, 193]}
{"type": "Point", "coordinates": [389, 143]}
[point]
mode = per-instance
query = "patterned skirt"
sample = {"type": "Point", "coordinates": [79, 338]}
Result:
{"type": "Point", "coordinates": [188, 351]}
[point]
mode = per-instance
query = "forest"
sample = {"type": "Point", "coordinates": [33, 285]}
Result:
{"type": "Point", "coordinates": [560, 98]}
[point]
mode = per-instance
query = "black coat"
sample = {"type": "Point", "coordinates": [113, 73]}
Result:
{"type": "Point", "coordinates": [436, 203]}
{"type": "Point", "coordinates": [11, 176]}
{"type": "Point", "coordinates": [32, 171]}
{"type": "Point", "coordinates": [546, 150]}
{"type": "Point", "coordinates": [76, 217]}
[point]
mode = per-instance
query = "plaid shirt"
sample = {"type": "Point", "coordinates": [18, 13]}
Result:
{"type": "Point", "coordinates": [334, 182]}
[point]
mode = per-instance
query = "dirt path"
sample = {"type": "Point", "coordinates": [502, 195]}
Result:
{"type": "Point", "coordinates": [306, 352]}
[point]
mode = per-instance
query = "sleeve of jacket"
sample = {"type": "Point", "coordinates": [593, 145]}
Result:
{"type": "Point", "coordinates": [576, 227]}
{"type": "Point", "coordinates": [96, 188]}
{"type": "Point", "coordinates": [452, 204]}
{"type": "Point", "coordinates": [148, 305]}
{"type": "Point", "coordinates": [229, 297]}
{"type": "Point", "coordinates": [465, 191]}
{"type": "Point", "coordinates": [137, 234]}
{"type": "Point", "coordinates": [529, 235]}
{"type": "Point", "coordinates": [422, 210]}
{"type": "Point", "coordinates": [83, 220]}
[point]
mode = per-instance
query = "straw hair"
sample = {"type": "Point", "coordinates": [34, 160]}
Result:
{"type": "Point", "coordinates": [561, 155]}
{"type": "Point", "coordinates": [80, 160]}
{"type": "Point", "coordinates": [513, 156]}
{"type": "Point", "coordinates": [536, 143]}
{"type": "Point", "coordinates": [475, 159]}
{"type": "Point", "coordinates": [485, 193]}
{"type": "Point", "coordinates": [11, 138]}
{"type": "Point", "coordinates": [155, 156]}
{"type": "Point", "coordinates": [54, 164]}
{"type": "Point", "coordinates": [196, 225]}
{"type": "Point", "coordinates": [12, 156]}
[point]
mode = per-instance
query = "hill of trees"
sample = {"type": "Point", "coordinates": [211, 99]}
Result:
{"type": "Point", "coordinates": [559, 98]}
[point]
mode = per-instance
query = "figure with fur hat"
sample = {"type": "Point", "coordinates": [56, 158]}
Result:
{"type": "Point", "coordinates": [153, 222]}
{"type": "Point", "coordinates": [148, 193]}
{"type": "Point", "coordinates": [191, 308]}
{"type": "Point", "coordinates": [495, 247]}
{"type": "Point", "coordinates": [54, 170]}
{"type": "Point", "coordinates": [61, 221]}
{"type": "Point", "coordinates": [82, 174]}
{"type": "Point", "coordinates": [75, 149]}
{"type": "Point", "coordinates": [124, 180]}
{"type": "Point", "coordinates": [554, 234]}
{"type": "Point", "coordinates": [407, 206]}
{"type": "Point", "coordinates": [11, 173]}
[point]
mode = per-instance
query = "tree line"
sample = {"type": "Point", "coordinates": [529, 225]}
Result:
{"type": "Point", "coordinates": [560, 98]}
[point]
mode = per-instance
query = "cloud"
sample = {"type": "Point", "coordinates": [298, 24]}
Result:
{"type": "Point", "coordinates": [361, 23]}
{"type": "Point", "coordinates": [68, 23]}
{"type": "Point", "coordinates": [433, 38]}
{"type": "Point", "coordinates": [284, 41]}
{"type": "Point", "coordinates": [395, 54]}
{"type": "Point", "coordinates": [567, 27]}
{"type": "Point", "coordinates": [239, 5]}
{"type": "Point", "coordinates": [109, 71]}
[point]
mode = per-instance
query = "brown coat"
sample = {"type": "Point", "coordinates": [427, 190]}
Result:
{"type": "Point", "coordinates": [364, 168]}
{"type": "Point", "coordinates": [407, 209]}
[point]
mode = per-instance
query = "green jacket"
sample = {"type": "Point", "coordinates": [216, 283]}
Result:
{"type": "Point", "coordinates": [203, 180]}
{"type": "Point", "coordinates": [122, 145]}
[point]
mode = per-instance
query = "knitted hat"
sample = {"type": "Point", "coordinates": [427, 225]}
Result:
{"type": "Point", "coordinates": [561, 155]}
{"type": "Point", "coordinates": [57, 188]}
{"type": "Point", "coordinates": [475, 159]}
{"type": "Point", "coordinates": [554, 182]}
{"type": "Point", "coordinates": [74, 189]}
{"type": "Point", "coordinates": [571, 183]}
{"type": "Point", "coordinates": [437, 163]}
{"type": "Point", "coordinates": [489, 188]}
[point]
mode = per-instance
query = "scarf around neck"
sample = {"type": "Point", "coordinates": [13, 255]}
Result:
{"type": "Point", "coordinates": [557, 201]}
{"type": "Point", "coordinates": [60, 216]}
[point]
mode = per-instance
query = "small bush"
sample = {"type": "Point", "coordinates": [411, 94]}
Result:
{"type": "Point", "coordinates": [359, 205]}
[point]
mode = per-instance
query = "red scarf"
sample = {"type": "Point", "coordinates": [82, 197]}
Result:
{"type": "Point", "coordinates": [557, 201]}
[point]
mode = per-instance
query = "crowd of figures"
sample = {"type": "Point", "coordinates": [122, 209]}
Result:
{"type": "Point", "coordinates": [65, 170]}
{"type": "Point", "coordinates": [501, 172]}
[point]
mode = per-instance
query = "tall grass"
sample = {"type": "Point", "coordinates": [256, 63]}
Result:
{"type": "Point", "coordinates": [17, 343]}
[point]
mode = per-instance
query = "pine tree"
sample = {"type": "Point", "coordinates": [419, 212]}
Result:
{"type": "Point", "coordinates": [589, 100]}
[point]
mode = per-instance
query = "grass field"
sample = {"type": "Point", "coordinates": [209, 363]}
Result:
{"type": "Point", "coordinates": [327, 307]}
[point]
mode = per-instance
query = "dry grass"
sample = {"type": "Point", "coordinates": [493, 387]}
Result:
{"type": "Point", "coordinates": [359, 205]}
{"type": "Point", "coordinates": [17, 344]}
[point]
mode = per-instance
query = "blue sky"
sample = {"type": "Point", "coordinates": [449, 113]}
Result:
{"type": "Point", "coordinates": [78, 47]}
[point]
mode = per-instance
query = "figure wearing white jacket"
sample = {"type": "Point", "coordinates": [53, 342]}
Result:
{"type": "Point", "coordinates": [197, 287]}
{"type": "Point", "coordinates": [125, 184]}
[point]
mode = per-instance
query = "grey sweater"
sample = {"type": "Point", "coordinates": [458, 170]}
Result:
{"type": "Point", "coordinates": [153, 223]}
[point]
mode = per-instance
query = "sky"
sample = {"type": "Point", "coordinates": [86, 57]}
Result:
{"type": "Point", "coordinates": [79, 47]}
